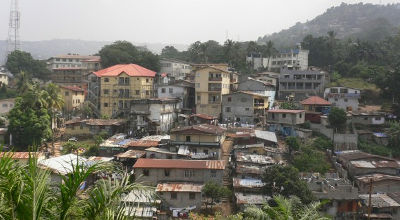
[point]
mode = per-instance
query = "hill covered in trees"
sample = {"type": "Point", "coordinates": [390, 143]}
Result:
{"type": "Point", "coordinates": [363, 21]}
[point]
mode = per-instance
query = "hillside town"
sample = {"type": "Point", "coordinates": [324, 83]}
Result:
{"type": "Point", "coordinates": [187, 126]}
{"type": "Point", "coordinates": [239, 130]}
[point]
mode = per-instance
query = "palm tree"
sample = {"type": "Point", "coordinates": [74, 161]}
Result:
{"type": "Point", "coordinates": [23, 82]}
{"type": "Point", "coordinates": [285, 209]}
{"type": "Point", "coordinates": [26, 193]}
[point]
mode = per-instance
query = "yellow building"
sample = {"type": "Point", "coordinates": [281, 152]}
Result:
{"type": "Point", "coordinates": [73, 97]}
{"type": "Point", "coordinates": [122, 83]}
{"type": "Point", "coordinates": [211, 82]}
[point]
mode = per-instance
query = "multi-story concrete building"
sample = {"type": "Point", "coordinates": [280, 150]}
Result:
{"type": "Point", "coordinates": [301, 84]}
{"type": "Point", "coordinates": [154, 115]}
{"type": "Point", "coordinates": [198, 141]}
{"type": "Point", "coordinates": [88, 63]}
{"type": "Point", "coordinates": [286, 117]}
{"type": "Point", "coordinates": [120, 84]}
{"type": "Point", "coordinates": [244, 107]}
{"type": "Point", "coordinates": [343, 97]}
{"type": "Point", "coordinates": [259, 87]}
{"type": "Point", "coordinates": [181, 89]}
{"type": "Point", "coordinates": [152, 171]}
{"type": "Point", "coordinates": [180, 195]}
{"type": "Point", "coordinates": [68, 76]}
{"type": "Point", "coordinates": [73, 97]}
{"type": "Point", "coordinates": [293, 58]}
{"type": "Point", "coordinates": [211, 82]}
{"type": "Point", "coordinates": [175, 68]}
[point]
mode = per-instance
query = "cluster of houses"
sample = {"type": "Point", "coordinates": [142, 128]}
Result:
{"type": "Point", "coordinates": [189, 124]}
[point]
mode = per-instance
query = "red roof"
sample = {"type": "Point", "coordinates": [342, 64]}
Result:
{"type": "Point", "coordinates": [21, 155]}
{"type": "Point", "coordinates": [72, 88]}
{"type": "Point", "coordinates": [204, 116]}
{"type": "Point", "coordinates": [285, 111]}
{"type": "Point", "coordinates": [179, 164]}
{"type": "Point", "coordinates": [130, 69]}
{"type": "Point", "coordinates": [315, 100]}
{"type": "Point", "coordinates": [143, 143]}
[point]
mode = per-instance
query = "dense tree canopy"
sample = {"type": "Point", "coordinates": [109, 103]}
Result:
{"type": "Point", "coordinates": [123, 52]}
{"type": "Point", "coordinates": [285, 180]}
{"type": "Point", "coordinates": [337, 117]}
{"type": "Point", "coordinates": [20, 61]}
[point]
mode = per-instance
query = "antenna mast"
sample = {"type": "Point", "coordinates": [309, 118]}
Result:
{"type": "Point", "coordinates": [13, 42]}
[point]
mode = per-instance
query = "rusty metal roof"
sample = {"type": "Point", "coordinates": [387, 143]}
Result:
{"type": "Point", "coordinates": [21, 155]}
{"type": "Point", "coordinates": [179, 164]}
{"type": "Point", "coordinates": [202, 129]}
{"type": "Point", "coordinates": [143, 143]}
{"type": "Point", "coordinates": [131, 154]}
{"type": "Point", "coordinates": [376, 177]}
{"type": "Point", "coordinates": [179, 187]}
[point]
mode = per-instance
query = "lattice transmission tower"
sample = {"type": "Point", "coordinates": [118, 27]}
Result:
{"type": "Point", "coordinates": [13, 42]}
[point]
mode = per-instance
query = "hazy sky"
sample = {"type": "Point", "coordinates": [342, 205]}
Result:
{"type": "Point", "coordinates": [161, 21]}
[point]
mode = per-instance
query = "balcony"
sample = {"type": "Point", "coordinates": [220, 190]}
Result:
{"type": "Point", "coordinates": [218, 89]}
{"type": "Point", "coordinates": [214, 79]}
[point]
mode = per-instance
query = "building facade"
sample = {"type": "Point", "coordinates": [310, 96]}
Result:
{"type": "Point", "coordinates": [6, 105]}
{"type": "Point", "coordinates": [175, 68]}
{"type": "Point", "coordinates": [183, 90]}
{"type": "Point", "coordinates": [301, 84]}
{"type": "Point", "coordinates": [120, 84]}
{"type": "Point", "coordinates": [153, 116]}
{"type": "Point", "coordinates": [343, 97]}
{"type": "Point", "coordinates": [244, 107]}
{"type": "Point", "coordinates": [89, 63]}
{"type": "Point", "coordinates": [73, 97]}
{"type": "Point", "coordinates": [211, 82]}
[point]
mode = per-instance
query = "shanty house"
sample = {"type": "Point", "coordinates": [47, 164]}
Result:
{"type": "Point", "coordinates": [152, 171]}
{"type": "Point", "coordinates": [315, 106]}
{"type": "Point", "coordinates": [180, 195]}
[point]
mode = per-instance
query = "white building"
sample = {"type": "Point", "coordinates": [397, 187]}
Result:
{"type": "Point", "coordinates": [293, 58]}
{"type": "Point", "coordinates": [183, 90]}
{"type": "Point", "coordinates": [91, 63]}
{"type": "Point", "coordinates": [4, 76]}
{"type": "Point", "coordinates": [175, 68]}
{"type": "Point", "coordinates": [6, 105]}
{"type": "Point", "coordinates": [343, 97]}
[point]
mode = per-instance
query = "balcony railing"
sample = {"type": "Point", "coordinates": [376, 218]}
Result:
{"type": "Point", "coordinates": [214, 89]}
{"type": "Point", "coordinates": [214, 79]}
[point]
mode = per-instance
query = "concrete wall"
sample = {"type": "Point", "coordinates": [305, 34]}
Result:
{"type": "Point", "coordinates": [182, 199]}
{"type": "Point", "coordinates": [286, 118]}
{"type": "Point", "coordinates": [176, 175]}
{"type": "Point", "coordinates": [342, 141]}
{"type": "Point", "coordinates": [171, 91]}
{"type": "Point", "coordinates": [3, 79]}
{"type": "Point", "coordinates": [72, 99]}
{"type": "Point", "coordinates": [174, 68]}
{"type": "Point", "coordinates": [164, 114]}
{"type": "Point", "coordinates": [196, 138]}
{"type": "Point", "coordinates": [386, 186]}
{"type": "Point", "coordinates": [238, 106]}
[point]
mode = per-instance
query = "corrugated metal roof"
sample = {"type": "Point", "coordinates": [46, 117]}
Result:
{"type": "Point", "coordinates": [266, 135]}
{"type": "Point", "coordinates": [63, 164]}
{"type": "Point", "coordinates": [140, 212]}
{"type": "Point", "coordinates": [247, 183]}
{"type": "Point", "coordinates": [131, 154]}
{"type": "Point", "coordinates": [196, 129]}
{"type": "Point", "coordinates": [249, 198]}
{"type": "Point", "coordinates": [288, 111]}
{"type": "Point", "coordinates": [315, 100]}
{"type": "Point", "coordinates": [254, 158]}
{"type": "Point", "coordinates": [179, 187]}
{"type": "Point", "coordinates": [376, 177]}
{"type": "Point", "coordinates": [22, 155]}
{"type": "Point", "coordinates": [380, 200]}
{"type": "Point", "coordinates": [129, 69]}
{"type": "Point", "coordinates": [179, 164]}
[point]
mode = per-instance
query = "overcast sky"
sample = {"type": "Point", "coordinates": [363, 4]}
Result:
{"type": "Point", "coordinates": [161, 21]}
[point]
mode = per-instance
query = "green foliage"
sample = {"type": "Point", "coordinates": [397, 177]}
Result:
{"type": "Point", "coordinates": [29, 125]}
{"type": "Point", "coordinates": [311, 160]}
{"type": "Point", "coordinates": [375, 149]}
{"type": "Point", "coordinates": [20, 61]}
{"type": "Point", "coordinates": [215, 191]}
{"type": "Point", "coordinates": [285, 180]}
{"type": "Point", "coordinates": [337, 117]}
{"type": "Point", "coordinates": [287, 105]}
{"type": "Point", "coordinates": [123, 52]}
{"type": "Point", "coordinates": [6, 93]}
{"type": "Point", "coordinates": [292, 143]}
{"type": "Point", "coordinates": [322, 143]}
{"type": "Point", "coordinates": [285, 208]}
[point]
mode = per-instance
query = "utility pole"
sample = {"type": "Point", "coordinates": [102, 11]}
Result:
{"type": "Point", "coordinates": [13, 42]}
{"type": "Point", "coordinates": [369, 199]}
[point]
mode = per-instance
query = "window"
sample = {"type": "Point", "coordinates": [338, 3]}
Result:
{"type": "Point", "coordinates": [137, 92]}
{"type": "Point", "coordinates": [336, 99]}
{"type": "Point", "coordinates": [197, 85]}
{"type": "Point", "coordinates": [229, 99]}
{"type": "Point", "coordinates": [243, 99]}
{"type": "Point", "coordinates": [66, 93]}
{"type": "Point", "coordinates": [345, 100]}
{"type": "Point", "coordinates": [5, 105]}
{"type": "Point", "coordinates": [106, 80]}
{"type": "Point", "coordinates": [81, 127]}
{"type": "Point", "coordinates": [213, 173]}
{"type": "Point", "coordinates": [205, 151]}
{"type": "Point", "coordinates": [189, 173]}
{"type": "Point", "coordinates": [105, 91]}
{"type": "Point", "coordinates": [228, 109]}
{"type": "Point", "coordinates": [166, 172]}
{"type": "Point", "coordinates": [174, 195]}
{"type": "Point", "coordinates": [378, 118]}
{"type": "Point", "coordinates": [247, 109]}
{"type": "Point", "coordinates": [105, 104]}
{"type": "Point", "coordinates": [283, 115]}
{"type": "Point", "coordinates": [187, 138]}
{"type": "Point", "coordinates": [162, 90]}
{"type": "Point", "coordinates": [147, 92]}
{"type": "Point", "coordinates": [198, 98]}
{"type": "Point", "coordinates": [147, 80]}
{"type": "Point", "coordinates": [192, 195]}
{"type": "Point", "coordinates": [171, 90]}
{"type": "Point", "coordinates": [146, 172]}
